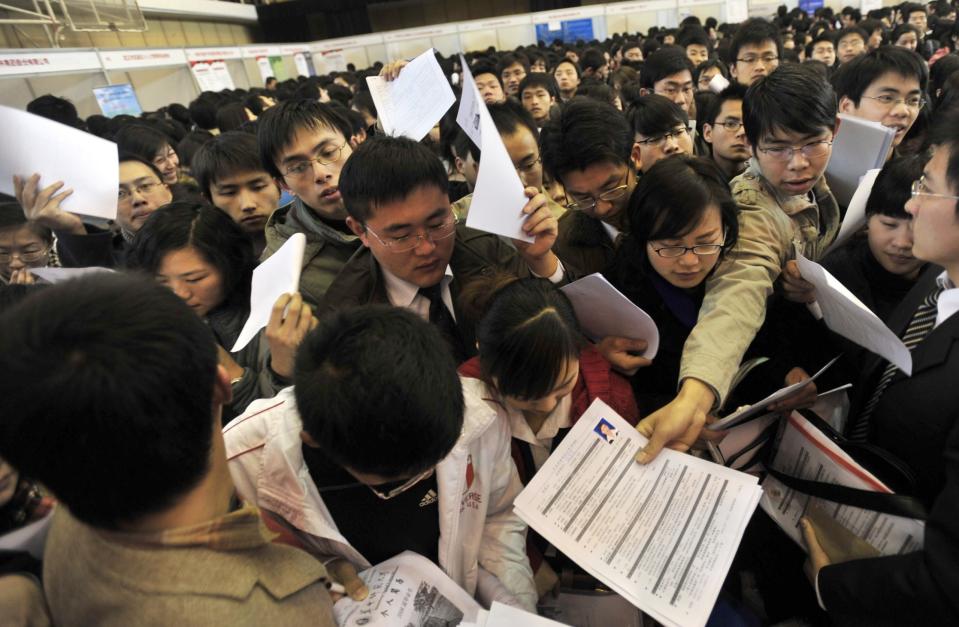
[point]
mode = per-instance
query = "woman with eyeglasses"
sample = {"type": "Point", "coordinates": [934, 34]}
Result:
{"type": "Point", "coordinates": [207, 260]}
{"type": "Point", "coordinates": [23, 245]}
{"type": "Point", "coordinates": [683, 220]}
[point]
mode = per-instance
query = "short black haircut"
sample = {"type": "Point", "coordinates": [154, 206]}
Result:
{"type": "Point", "coordinates": [363, 102]}
{"type": "Point", "coordinates": [908, 8]}
{"type": "Point", "coordinates": [511, 58]}
{"type": "Point", "coordinates": [578, 70]}
{"type": "Point", "coordinates": [539, 79]}
{"type": "Point", "coordinates": [654, 115]}
{"type": "Point", "coordinates": [12, 217]}
{"type": "Point", "coordinates": [141, 140]}
{"type": "Point", "coordinates": [483, 67]}
{"type": "Point", "coordinates": [387, 169]}
{"type": "Point", "coordinates": [106, 395]}
{"type": "Point", "coordinates": [216, 237]}
{"type": "Point", "coordinates": [339, 93]}
{"type": "Point", "coordinates": [225, 155]}
{"type": "Point", "coordinates": [851, 30]}
{"type": "Point", "coordinates": [57, 109]}
{"type": "Point", "coordinates": [893, 187]}
{"type": "Point", "coordinates": [231, 116]}
{"type": "Point", "coordinates": [692, 34]}
{"type": "Point", "coordinates": [510, 116]}
{"type": "Point", "coordinates": [665, 62]}
{"type": "Point", "coordinates": [710, 63]}
{"type": "Point", "coordinates": [376, 388]}
{"type": "Point", "coordinates": [945, 134]}
{"type": "Point", "coordinates": [793, 98]}
{"type": "Point", "coordinates": [630, 44]}
{"type": "Point", "coordinates": [708, 115]}
{"type": "Point", "coordinates": [527, 331]}
{"type": "Point", "coordinates": [669, 201]}
{"type": "Point", "coordinates": [901, 30]}
{"type": "Point", "coordinates": [754, 32]}
{"type": "Point", "coordinates": [592, 59]}
{"type": "Point", "coordinates": [870, 26]}
{"type": "Point", "coordinates": [203, 111]}
{"type": "Point", "coordinates": [583, 133]}
{"type": "Point", "coordinates": [279, 125]}
{"type": "Point", "coordinates": [268, 80]}
{"type": "Point", "coordinates": [852, 79]}
{"type": "Point", "coordinates": [125, 157]}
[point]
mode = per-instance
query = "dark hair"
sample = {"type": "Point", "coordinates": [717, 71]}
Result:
{"type": "Point", "coordinates": [526, 332]}
{"type": "Point", "coordinates": [901, 30]}
{"type": "Point", "coordinates": [203, 111]}
{"type": "Point", "coordinates": [908, 8]}
{"type": "Point", "coordinates": [592, 59]}
{"type": "Point", "coordinates": [511, 58]}
{"type": "Point", "coordinates": [735, 91]}
{"type": "Point", "coordinates": [189, 145]}
{"type": "Point", "coordinates": [279, 125]}
{"type": "Point", "coordinates": [339, 93]}
{"type": "Point", "coordinates": [793, 98]}
{"type": "Point", "coordinates": [231, 116]}
{"type": "Point", "coordinates": [630, 44]}
{"type": "Point", "coordinates": [753, 32]}
{"type": "Point", "coordinates": [692, 34]}
{"type": "Point", "coordinates": [107, 395]}
{"type": "Point", "coordinates": [12, 217]}
{"type": "Point", "coordinates": [363, 101]}
{"type": "Point", "coordinates": [56, 109]}
{"type": "Point", "coordinates": [579, 72]}
{"type": "Point", "coordinates": [710, 63]}
{"type": "Point", "coordinates": [509, 116]}
{"type": "Point", "coordinates": [376, 388]}
{"type": "Point", "coordinates": [869, 26]}
{"type": "Point", "coordinates": [142, 141]}
{"type": "Point", "coordinates": [584, 132]}
{"type": "Point", "coordinates": [224, 155]}
{"type": "Point", "coordinates": [945, 132]}
{"type": "Point", "coordinates": [665, 62]}
{"type": "Point", "coordinates": [851, 30]}
{"type": "Point", "coordinates": [654, 115]}
{"type": "Point", "coordinates": [893, 187]}
{"type": "Point", "coordinates": [669, 201]}
{"type": "Point", "coordinates": [482, 67]}
{"type": "Point", "coordinates": [539, 79]}
{"type": "Point", "coordinates": [217, 238]}
{"type": "Point", "coordinates": [940, 72]}
{"type": "Point", "coordinates": [852, 79]}
{"type": "Point", "coordinates": [124, 157]}
{"type": "Point", "coordinates": [268, 80]}
{"type": "Point", "coordinates": [388, 169]}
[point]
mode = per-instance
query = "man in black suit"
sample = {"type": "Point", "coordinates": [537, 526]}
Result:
{"type": "Point", "coordinates": [414, 253]}
{"type": "Point", "coordinates": [916, 419]}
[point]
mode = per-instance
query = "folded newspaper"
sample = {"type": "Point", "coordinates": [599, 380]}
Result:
{"type": "Point", "coordinates": [662, 535]}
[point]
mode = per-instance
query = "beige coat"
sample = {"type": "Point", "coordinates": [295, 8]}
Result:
{"type": "Point", "coordinates": [735, 303]}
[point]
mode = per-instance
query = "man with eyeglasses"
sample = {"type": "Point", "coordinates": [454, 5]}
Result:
{"type": "Point", "coordinates": [785, 207]}
{"type": "Point", "coordinates": [886, 85]}
{"type": "Point", "coordinates": [79, 245]}
{"type": "Point", "coordinates": [416, 256]}
{"type": "Point", "coordinates": [755, 51]}
{"type": "Point", "coordinates": [724, 133]}
{"type": "Point", "coordinates": [519, 134]}
{"type": "Point", "coordinates": [660, 130]}
{"type": "Point", "coordinates": [915, 419]}
{"type": "Point", "coordinates": [370, 455]}
{"type": "Point", "coordinates": [669, 73]}
{"type": "Point", "coordinates": [303, 144]}
{"type": "Point", "coordinates": [850, 43]}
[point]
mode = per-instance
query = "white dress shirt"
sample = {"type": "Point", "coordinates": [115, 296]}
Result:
{"type": "Point", "coordinates": [541, 442]}
{"type": "Point", "coordinates": [949, 299]}
{"type": "Point", "coordinates": [404, 294]}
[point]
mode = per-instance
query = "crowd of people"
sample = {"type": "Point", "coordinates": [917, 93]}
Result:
{"type": "Point", "coordinates": [424, 371]}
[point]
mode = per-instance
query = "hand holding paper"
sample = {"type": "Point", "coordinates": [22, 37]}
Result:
{"type": "Point", "coordinates": [278, 275]}
{"type": "Point", "coordinates": [410, 102]}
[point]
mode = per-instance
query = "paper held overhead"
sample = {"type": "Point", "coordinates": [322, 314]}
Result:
{"type": "Point", "coordinates": [278, 275]}
{"type": "Point", "coordinates": [413, 103]}
{"type": "Point", "coordinates": [603, 311]}
{"type": "Point", "coordinates": [498, 197]}
{"type": "Point", "coordinates": [855, 217]}
{"type": "Point", "coordinates": [85, 163]}
{"type": "Point", "coordinates": [57, 275]}
{"type": "Point", "coordinates": [860, 145]}
{"type": "Point", "coordinates": [849, 317]}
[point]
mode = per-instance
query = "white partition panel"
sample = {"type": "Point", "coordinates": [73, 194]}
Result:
{"type": "Point", "coordinates": [158, 87]}
{"type": "Point", "coordinates": [77, 88]}
{"type": "Point", "coordinates": [479, 40]}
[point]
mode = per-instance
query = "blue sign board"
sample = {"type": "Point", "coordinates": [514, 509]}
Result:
{"type": "Point", "coordinates": [569, 31]}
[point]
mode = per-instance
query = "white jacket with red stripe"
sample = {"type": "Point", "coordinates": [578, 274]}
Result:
{"type": "Point", "coordinates": [482, 544]}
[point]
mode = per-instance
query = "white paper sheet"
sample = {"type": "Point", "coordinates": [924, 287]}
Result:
{"type": "Point", "coordinates": [849, 317]}
{"type": "Point", "coordinates": [278, 275]}
{"type": "Point", "coordinates": [603, 311]}
{"type": "Point", "coordinates": [498, 197]}
{"type": "Point", "coordinates": [413, 103]}
{"type": "Point", "coordinates": [739, 438]}
{"type": "Point", "coordinates": [806, 453]}
{"type": "Point", "coordinates": [718, 83]}
{"type": "Point", "coordinates": [57, 275]}
{"type": "Point", "coordinates": [31, 538]}
{"type": "Point", "coordinates": [407, 591]}
{"type": "Point", "coordinates": [833, 407]}
{"type": "Point", "coordinates": [501, 615]}
{"type": "Point", "coordinates": [745, 413]}
{"type": "Point", "coordinates": [85, 163]}
{"type": "Point", "coordinates": [661, 535]}
{"type": "Point", "coordinates": [855, 217]}
{"type": "Point", "coordinates": [860, 145]}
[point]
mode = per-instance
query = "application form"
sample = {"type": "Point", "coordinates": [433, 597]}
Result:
{"type": "Point", "coordinates": [661, 535]}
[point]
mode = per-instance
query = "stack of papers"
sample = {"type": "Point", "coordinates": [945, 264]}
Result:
{"type": "Point", "coordinates": [805, 452]}
{"type": "Point", "coordinates": [413, 103]}
{"type": "Point", "coordinates": [603, 311]}
{"type": "Point", "coordinates": [500, 615]}
{"type": "Point", "coordinates": [661, 535]}
{"type": "Point", "coordinates": [855, 218]}
{"type": "Point", "coordinates": [859, 146]}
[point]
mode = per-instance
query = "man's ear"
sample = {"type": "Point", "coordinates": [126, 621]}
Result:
{"type": "Point", "coordinates": [636, 155]}
{"type": "Point", "coordinates": [645, 92]}
{"type": "Point", "coordinates": [307, 439]}
{"type": "Point", "coordinates": [222, 390]}
{"type": "Point", "coordinates": [707, 132]}
{"type": "Point", "coordinates": [733, 73]}
{"type": "Point", "coordinates": [835, 128]}
{"type": "Point", "coordinates": [458, 164]}
{"type": "Point", "coordinates": [353, 142]}
{"type": "Point", "coordinates": [846, 105]}
{"type": "Point", "coordinates": [358, 230]}
{"type": "Point", "coordinates": [281, 183]}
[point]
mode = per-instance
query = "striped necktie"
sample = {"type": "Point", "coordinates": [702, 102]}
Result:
{"type": "Point", "coordinates": [919, 327]}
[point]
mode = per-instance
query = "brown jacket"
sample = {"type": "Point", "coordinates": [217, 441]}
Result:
{"type": "Point", "coordinates": [186, 578]}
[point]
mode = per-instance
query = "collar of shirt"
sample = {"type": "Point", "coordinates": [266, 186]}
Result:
{"type": "Point", "coordinates": [558, 419]}
{"type": "Point", "coordinates": [238, 530]}
{"type": "Point", "coordinates": [949, 299]}
{"type": "Point", "coordinates": [790, 205]}
{"type": "Point", "coordinates": [611, 230]}
{"type": "Point", "coordinates": [404, 294]}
